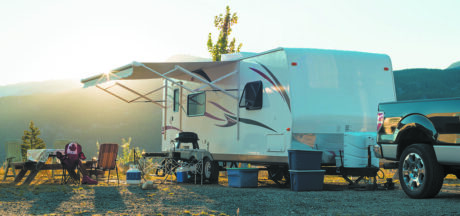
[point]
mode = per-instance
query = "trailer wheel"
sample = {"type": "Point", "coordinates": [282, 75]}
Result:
{"type": "Point", "coordinates": [211, 170]}
{"type": "Point", "coordinates": [196, 168]}
{"type": "Point", "coordinates": [420, 174]}
{"type": "Point", "coordinates": [277, 173]}
{"type": "Point", "coordinates": [161, 170]}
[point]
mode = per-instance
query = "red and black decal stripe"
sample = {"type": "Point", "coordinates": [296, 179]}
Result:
{"type": "Point", "coordinates": [275, 82]}
{"type": "Point", "coordinates": [251, 122]}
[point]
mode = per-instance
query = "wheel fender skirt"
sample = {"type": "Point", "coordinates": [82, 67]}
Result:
{"type": "Point", "coordinates": [419, 122]}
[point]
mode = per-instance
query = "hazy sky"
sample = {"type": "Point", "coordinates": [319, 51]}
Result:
{"type": "Point", "coordinates": [60, 39]}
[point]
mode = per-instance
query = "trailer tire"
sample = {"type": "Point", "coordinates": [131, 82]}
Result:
{"type": "Point", "coordinates": [277, 173]}
{"type": "Point", "coordinates": [211, 170]}
{"type": "Point", "coordinates": [161, 170]}
{"type": "Point", "coordinates": [420, 174]}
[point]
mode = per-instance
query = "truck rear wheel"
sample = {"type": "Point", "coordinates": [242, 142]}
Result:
{"type": "Point", "coordinates": [211, 170]}
{"type": "Point", "coordinates": [420, 174]}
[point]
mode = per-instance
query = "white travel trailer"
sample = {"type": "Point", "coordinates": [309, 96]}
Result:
{"type": "Point", "coordinates": [253, 108]}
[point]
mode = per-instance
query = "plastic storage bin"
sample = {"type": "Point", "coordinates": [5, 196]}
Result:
{"type": "Point", "coordinates": [182, 175]}
{"type": "Point", "coordinates": [307, 180]}
{"type": "Point", "coordinates": [243, 177]}
{"type": "Point", "coordinates": [305, 159]}
{"type": "Point", "coordinates": [133, 175]}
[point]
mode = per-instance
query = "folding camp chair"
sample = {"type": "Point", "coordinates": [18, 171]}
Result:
{"type": "Point", "coordinates": [13, 155]}
{"type": "Point", "coordinates": [70, 160]}
{"type": "Point", "coordinates": [59, 144]}
{"type": "Point", "coordinates": [107, 159]}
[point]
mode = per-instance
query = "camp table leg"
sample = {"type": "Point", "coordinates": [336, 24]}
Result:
{"type": "Point", "coordinates": [33, 172]}
{"type": "Point", "coordinates": [53, 161]}
{"type": "Point", "coordinates": [21, 174]}
{"type": "Point", "coordinates": [14, 170]}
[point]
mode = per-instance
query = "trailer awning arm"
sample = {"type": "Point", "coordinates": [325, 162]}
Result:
{"type": "Point", "coordinates": [144, 96]}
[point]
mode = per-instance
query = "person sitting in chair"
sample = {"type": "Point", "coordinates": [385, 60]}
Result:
{"type": "Point", "coordinates": [72, 159]}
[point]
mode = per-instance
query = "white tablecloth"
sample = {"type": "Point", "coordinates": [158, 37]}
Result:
{"type": "Point", "coordinates": [41, 155]}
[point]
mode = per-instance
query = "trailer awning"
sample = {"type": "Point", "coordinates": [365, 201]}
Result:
{"type": "Point", "coordinates": [170, 71]}
{"type": "Point", "coordinates": [136, 70]}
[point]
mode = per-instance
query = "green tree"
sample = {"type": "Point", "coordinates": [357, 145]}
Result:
{"type": "Point", "coordinates": [128, 152]}
{"type": "Point", "coordinates": [30, 140]}
{"type": "Point", "coordinates": [224, 24]}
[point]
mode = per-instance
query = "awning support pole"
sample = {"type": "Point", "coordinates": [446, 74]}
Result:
{"type": "Point", "coordinates": [103, 89]}
{"type": "Point", "coordinates": [151, 92]}
{"type": "Point", "coordinates": [165, 110]}
{"type": "Point", "coordinates": [217, 80]}
{"type": "Point", "coordinates": [140, 95]}
{"type": "Point", "coordinates": [206, 82]}
{"type": "Point", "coordinates": [238, 107]}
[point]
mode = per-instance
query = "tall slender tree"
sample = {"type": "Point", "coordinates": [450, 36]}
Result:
{"type": "Point", "coordinates": [224, 23]}
{"type": "Point", "coordinates": [30, 140]}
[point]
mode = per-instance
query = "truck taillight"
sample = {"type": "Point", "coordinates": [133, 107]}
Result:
{"type": "Point", "coordinates": [380, 117]}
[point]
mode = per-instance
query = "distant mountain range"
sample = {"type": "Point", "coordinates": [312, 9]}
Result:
{"type": "Point", "coordinates": [50, 86]}
{"type": "Point", "coordinates": [454, 65]}
{"type": "Point", "coordinates": [421, 83]}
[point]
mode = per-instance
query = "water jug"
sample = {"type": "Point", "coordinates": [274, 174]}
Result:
{"type": "Point", "coordinates": [133, 175]}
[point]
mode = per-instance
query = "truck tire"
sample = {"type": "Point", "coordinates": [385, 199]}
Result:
{"type": "Point", "coordinates": [420, 174]}
{"type": "Point", "coordinates": [211, 170]}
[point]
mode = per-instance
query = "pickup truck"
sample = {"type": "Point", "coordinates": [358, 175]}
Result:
{"type": "Point", "coordinates": [422, 137]}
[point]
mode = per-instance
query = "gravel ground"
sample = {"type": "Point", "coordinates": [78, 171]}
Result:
{"type": "Point", "coordinates": [190, 199]}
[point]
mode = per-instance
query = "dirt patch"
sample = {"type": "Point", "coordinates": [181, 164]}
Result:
{"type": "Point", "coordinates": [336, 198]}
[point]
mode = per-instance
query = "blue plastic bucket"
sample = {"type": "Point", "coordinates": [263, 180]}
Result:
{"type": "Point", "coordinates": [243, 177]}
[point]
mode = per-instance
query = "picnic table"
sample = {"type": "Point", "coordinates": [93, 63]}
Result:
{"type": "Point", "coordinates": [36, 161]}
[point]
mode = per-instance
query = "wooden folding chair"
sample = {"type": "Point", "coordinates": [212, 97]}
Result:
{"type": "Point", "coordinates": [107, 159]}
{"type": "Point", "coordinates": [13, 155]}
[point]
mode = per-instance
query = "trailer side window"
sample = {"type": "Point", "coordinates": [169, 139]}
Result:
{"type": "Point", "coordinates": [196, 104]}
{"type": "Point", "coordinates": [252, 96]}
{"type": "Point", "coordinates": [176, 99]}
